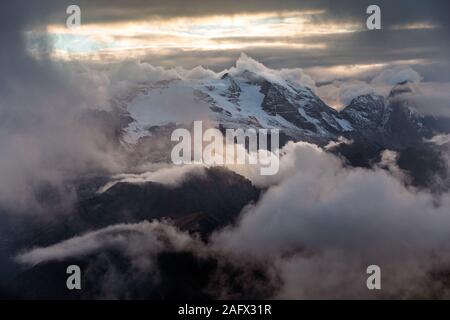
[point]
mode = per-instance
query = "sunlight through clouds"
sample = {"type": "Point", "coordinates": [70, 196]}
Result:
{"type": "Point", "coordinates": [221, 32]}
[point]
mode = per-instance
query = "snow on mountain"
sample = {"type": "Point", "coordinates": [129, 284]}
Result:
{"type": "Point", "coordinates": [243, 100]}
{"type": "Point", "coordinates": [391, 122]}
{"type": "Point", "coordinates": [162, 103]}
{"type": "Point", "coordinates": [367, 112]}
{"type": "Point", "coordinates": [253, 96]}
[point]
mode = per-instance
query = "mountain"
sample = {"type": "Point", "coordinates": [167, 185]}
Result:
{"type": "Point", "coordinates": [367, 113]}
{"type": "Point", "coordinates": [201, 203]}
{"type": "Point", "coordinates": [250, 100]}
{"type": "Point", "coordinates": [142, 122]}
{"type": "Point", "coordinates": [390, 122]}
{"type": "Point", "coordinates": [243, 100]}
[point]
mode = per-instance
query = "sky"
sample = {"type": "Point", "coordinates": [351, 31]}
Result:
{"type": "Point", "coordinates": [319, 36]}
{"type": "Point", "coordinates": [50, 75]}
{"type": "Point", "coordinates": [46, 84]}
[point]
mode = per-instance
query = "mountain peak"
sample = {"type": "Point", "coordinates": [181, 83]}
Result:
{"type": "Point", "coordinates": [366, 99]}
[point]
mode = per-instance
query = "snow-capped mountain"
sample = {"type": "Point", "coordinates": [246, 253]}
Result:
{"type": "Point", "coordinates": [247, 99]}
{"type": "Point", "coordinates": [367, 112]}
{"type": "Point", "coordinates": [244, 100]}
{"type": "Point", "coordinates": [392, 122]}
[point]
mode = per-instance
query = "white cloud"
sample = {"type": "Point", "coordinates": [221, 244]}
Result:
{"type": "Point", "coordinates": [392, 76]}
{"type": "Point", "coordinates": [432, 99]}
{"type": "Point", "coordinates": [138, 241]}
{"type": "Point", "coordinates": [170, 176]}
{"type": "Point", "coordinates": [339, 94]}
{"type": "Point", "coordinates": [440, 139]}
{"type": "Point", "coordinates": [324, 223]}
{"type": "Point", "coordinates": [296, 76]}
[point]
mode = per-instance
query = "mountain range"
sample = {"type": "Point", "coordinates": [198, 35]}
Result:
{"type": "Point", "coordinates": [247, 99]}
{"type": "Point", "coordinates": [141, 123]}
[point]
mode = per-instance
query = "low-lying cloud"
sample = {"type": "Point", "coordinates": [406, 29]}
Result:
{"type": "Point", "coordinates": [318, 227]}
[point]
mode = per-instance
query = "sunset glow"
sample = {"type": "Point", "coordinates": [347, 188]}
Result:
{"type": "Point", "coordinates": [116, 40]}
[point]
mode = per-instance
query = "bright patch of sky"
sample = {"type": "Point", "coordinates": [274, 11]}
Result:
{"type": "Point", "coordinates": [204, 33]}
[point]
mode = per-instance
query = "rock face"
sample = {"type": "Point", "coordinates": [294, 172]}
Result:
{"type": "Point", "coordinates": [367, 113]}
{"type": "Point", "coordinates": [201, 203]}
{"type": "Point", "coordinates": [390, 122]}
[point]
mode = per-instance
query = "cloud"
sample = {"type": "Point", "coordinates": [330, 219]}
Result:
{"type": "Point", "coordinates": [135, 245]}
{"type": "Point", "coordinates": [324, 224]}
{"type": "Point", "coordinates": [400, 74]}
{"type": "Point", "coordinates": [389, 45]}
{"type": "Point", "coordinates": [43, 114]}
{"type": "Point", "coordinates": [339, 94]}
{"type": "Point", "coordinates": [440, 139]}
{"type": "Point", "coordinates": [427, 98]}
{"type": "Point", "coordinates": [319, 223]}
{"type": "Point", "coordinates": [389, 162]}
{"type": "Point", "coordinates": [296, 76]}
{"type": "Point", "coordinates": [315, 230]}
{"type": "Point", "coordinates": [136, 240]}
{"type": "Point", "coordinates": [44, 107]}
{"type": "Point", "coordinates": [49, 133]}
{"type": "Point", "coordinates": [432, 99]}
{"type": "Point", "coordinates": [171, 176]}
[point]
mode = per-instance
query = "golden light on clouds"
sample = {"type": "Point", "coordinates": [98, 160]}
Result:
{"type": "Point", "coordinates": [362, 70]}
{"type": "Point", "coordinates": [135, 38]}
{"type": "Point", "coordinates": [415, 26]}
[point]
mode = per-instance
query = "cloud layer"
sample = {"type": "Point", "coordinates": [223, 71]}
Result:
{"type": "Point", "coordinates": [318, 225]}
{"type": "Point", "coordinates": [315, 231]}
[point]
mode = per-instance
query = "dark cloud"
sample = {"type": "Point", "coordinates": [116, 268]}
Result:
{"type": "Point", "coordinates": [40, 100]}
{"type": "Point", "coordinates": [43, 143]}
{"type": "Point", "coordinates": [394, 13]}
{"type": "Point", "coordinates": [322, 223]}
{"type": "Point", "coordinates": [342, 49]}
